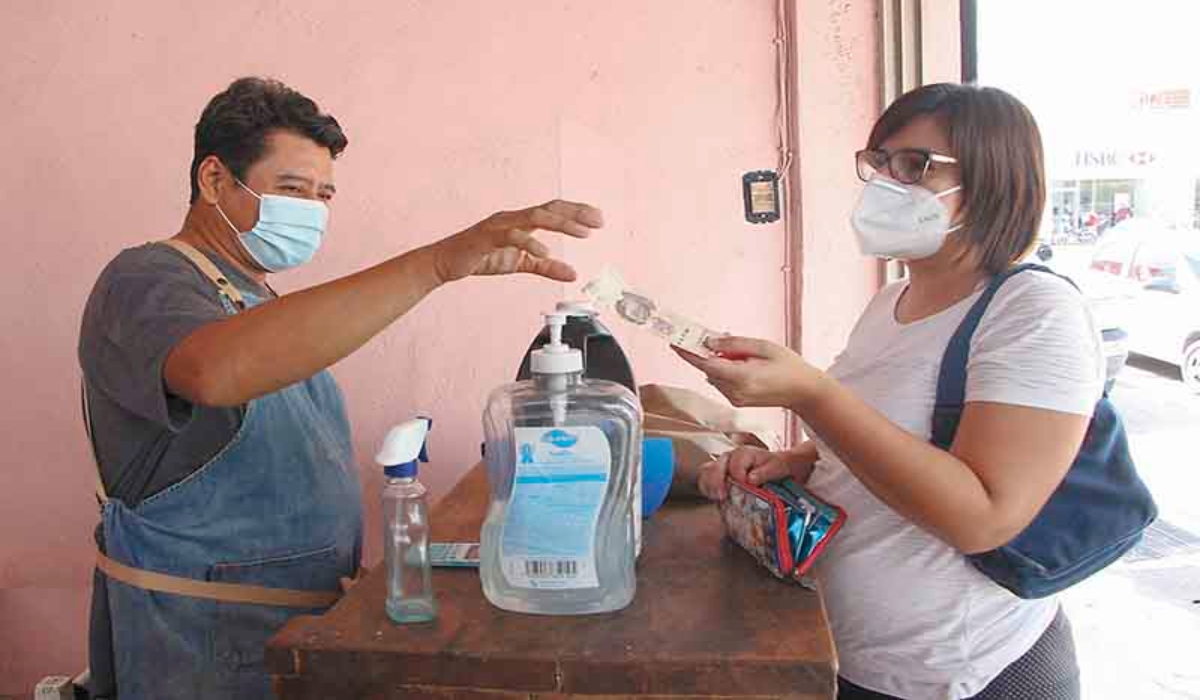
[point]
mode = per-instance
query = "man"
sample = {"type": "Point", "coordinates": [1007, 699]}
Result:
{"type": "Point", "coordinates": [230, 494]}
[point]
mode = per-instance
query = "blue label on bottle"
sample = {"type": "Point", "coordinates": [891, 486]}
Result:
{"type": "Point", "coordinates": [549, 535]}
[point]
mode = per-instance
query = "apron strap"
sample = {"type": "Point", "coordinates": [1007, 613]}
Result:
{"type": "Point", "coordinates": [224, 287]}
{"type": "Point", "coordinates": [178, 585]}
{"type": "Point", "coordinates": [213, 590]}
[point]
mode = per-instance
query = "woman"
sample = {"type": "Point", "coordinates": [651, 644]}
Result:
{"type": "Point", "coordinates": [955, 188]}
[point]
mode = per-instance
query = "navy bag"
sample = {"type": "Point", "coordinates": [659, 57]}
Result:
{"type": "Point", "coordinates": [1095, 515]}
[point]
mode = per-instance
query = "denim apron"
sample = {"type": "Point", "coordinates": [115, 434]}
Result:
{"type": "Point", "coordinates": [278, 507]}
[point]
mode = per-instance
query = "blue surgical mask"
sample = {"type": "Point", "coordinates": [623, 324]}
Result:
{"type": "Point", "coordinates": [288, 232]}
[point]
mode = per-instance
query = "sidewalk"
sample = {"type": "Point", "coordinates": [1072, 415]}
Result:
{"type": "Point", "coordinates": [1137, 624]}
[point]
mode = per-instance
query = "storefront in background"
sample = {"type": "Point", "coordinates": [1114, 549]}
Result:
{"type": "Point", "coordinates": [1109, 164]}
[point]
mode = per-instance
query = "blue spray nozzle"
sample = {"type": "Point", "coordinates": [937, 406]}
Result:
{"type": "Point", "coordinates": [401, 471]}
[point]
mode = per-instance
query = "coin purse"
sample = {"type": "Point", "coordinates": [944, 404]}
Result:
{"type": "Point", "coordinates": [781, 524]}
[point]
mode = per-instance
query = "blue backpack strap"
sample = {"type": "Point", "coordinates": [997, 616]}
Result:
{"type": "Point", "coordinates": [952, 378]}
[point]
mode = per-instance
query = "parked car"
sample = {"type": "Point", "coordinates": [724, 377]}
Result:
{"type": "Point", "coordinates": [1108, 303]}
{"type": "Point", "coordinates": [1159, 267]}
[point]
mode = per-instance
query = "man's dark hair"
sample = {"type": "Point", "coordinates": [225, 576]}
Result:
{"type": "Point", "coordinates": [235, 124]}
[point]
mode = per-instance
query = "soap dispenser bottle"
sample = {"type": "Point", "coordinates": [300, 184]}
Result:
{"type": "Point", "coordinates": [563, 456]}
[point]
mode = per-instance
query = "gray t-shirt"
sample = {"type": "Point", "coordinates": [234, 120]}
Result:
{"type": "Point", "coordinates": [146, 301]}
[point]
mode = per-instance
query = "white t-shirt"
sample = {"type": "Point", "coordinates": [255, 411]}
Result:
{"type": "Point", "coordinates": [911, 617]}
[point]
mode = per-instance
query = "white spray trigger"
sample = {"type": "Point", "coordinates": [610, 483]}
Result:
{"type": "Point", "coordinates": [405, 443]}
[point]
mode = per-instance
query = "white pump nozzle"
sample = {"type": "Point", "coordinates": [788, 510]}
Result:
{"type": "Point", "coordinates": [556, 357]}
{"type": "Point", "coordinates": [556, 321]}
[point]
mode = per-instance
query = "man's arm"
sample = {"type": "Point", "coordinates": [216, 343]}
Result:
{"type": "Point", "coordinates": [281, 342]}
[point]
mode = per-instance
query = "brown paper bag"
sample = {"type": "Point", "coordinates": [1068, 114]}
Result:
{"type": "Point", "coordinates": [700, 428]}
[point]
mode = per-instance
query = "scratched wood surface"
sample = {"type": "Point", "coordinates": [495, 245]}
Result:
{"type": "Point", "coordinates": [706, 622]}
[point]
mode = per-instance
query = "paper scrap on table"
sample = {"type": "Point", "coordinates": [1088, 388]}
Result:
{"type": "Point", "coordinates": [609, 291]}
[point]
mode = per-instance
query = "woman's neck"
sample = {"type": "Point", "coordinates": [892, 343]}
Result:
{"type": "Point", "coordinates": [935, 284]}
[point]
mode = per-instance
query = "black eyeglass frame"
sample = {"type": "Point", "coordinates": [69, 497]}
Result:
{"type": "Point", "coordinates": [927, 157]}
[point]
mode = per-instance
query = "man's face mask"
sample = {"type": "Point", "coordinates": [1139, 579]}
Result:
{"type": "Point", "coordinates": [905, 222]}
{"type": "Point", "coordinates": [288, 232]}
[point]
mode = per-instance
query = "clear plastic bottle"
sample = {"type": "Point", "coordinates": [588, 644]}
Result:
{"type": "Point", "coordinates": [406, 525]}
{"type": "Point", "coordinates": [563, 456]}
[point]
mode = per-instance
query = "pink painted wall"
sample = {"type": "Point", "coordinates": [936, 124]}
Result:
{"type": "Point", "coordinates": [836, 84]}
{"type": "Point", "coordinates": [941, 47]}
{"type": "Point", "coordinates": [454, 109]}
{"type": "Point", "coordinates": [837, 88]}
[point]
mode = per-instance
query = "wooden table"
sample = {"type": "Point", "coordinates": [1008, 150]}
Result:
{"type": "Point", "coordinates": [706, 621]}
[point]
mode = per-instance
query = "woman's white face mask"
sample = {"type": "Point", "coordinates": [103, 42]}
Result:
{"type": "Point", "coordinates": [905, 222]}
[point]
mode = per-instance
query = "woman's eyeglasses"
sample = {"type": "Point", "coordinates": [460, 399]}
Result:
{"type": "Point", "coordinates": [906, 165]}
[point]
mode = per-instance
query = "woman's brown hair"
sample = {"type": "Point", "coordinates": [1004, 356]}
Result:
{"type": "Point", "coordinates": [999, 152]}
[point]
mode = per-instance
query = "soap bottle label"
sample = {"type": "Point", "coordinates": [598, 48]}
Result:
{"type": "Point", "coordinates": [559, 487]}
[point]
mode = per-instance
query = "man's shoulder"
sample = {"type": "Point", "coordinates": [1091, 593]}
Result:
{"type": "Point", "coordinates": [142, 274]}
{"type": "Point", "coordinates": [148, 257]}
{"type": "Point", "coordinates": [143, 268]}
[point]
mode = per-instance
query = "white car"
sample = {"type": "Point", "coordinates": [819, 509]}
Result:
{"type": "Point", "coordinates": [1159, 267]}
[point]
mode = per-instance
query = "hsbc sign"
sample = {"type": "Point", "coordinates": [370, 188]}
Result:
{"type": "Point", "coordinates": [1114, 159]}
{"type": "Point", "coordinates": [1141, 158]}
